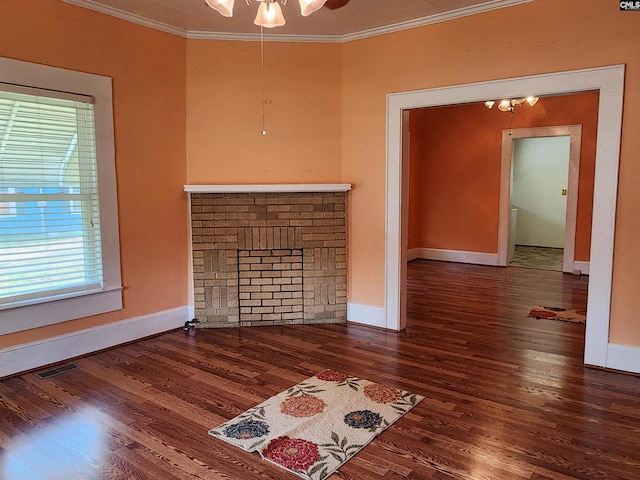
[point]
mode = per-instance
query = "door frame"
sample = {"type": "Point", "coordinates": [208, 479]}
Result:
{"type": "Point", "coordinates": [609, 81]}
{"type": "Point", "coordinates": [574, 132]}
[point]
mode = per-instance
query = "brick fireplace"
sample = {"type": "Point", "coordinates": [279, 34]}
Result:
{"type": "Point", "coordinates": [268, 254]}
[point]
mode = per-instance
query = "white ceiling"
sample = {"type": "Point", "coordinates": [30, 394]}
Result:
{"type": "Point", "coordinates": [359, 18]}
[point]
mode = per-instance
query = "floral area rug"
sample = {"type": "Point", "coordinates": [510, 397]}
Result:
{"type": "Point", "coordinates": [317, 425]}
{"type": "Point", "coordinates": [555, 313]}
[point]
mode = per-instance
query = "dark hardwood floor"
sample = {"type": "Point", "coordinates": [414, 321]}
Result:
{"type": "Point", "coordinates": [507, 396]}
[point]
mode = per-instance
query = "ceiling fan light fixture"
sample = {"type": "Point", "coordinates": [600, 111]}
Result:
{"type": "Point", "coordinates": [269, 15]}
{"type": "Point", "coordinates": [223, 7]}
{"type": "Point", "coordinates": [269, 11]}
{"type": "Point", "coordinates": [508, 105]}
{"type": "Point", "coordinates": [307, 7]}
{"type": "Point", "coordinates": [505, 106]}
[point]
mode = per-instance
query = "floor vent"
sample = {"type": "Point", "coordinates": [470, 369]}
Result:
{"type": "Point", "coordinates": [57, 370]}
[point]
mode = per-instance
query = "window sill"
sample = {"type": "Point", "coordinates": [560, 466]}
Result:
{"type": "Point", "coordinates": [42, 314]}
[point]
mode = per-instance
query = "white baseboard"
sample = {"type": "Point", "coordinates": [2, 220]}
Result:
{"type": "Point", "coordinates": [413, 253]}
{"type": "Point", "coordinates": [459, 256]}
{"type": "Point", "coordinates": [582, 266]}
{"type": "Point", "coordinates": [28, 356]}
{"type": "Point", "coordinates": [623, 357]}
{"type": "Point", "coordinates": [366, 315]}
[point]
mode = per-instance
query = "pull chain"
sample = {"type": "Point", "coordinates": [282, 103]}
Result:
{"type": "Point", "coordinates": [264, 128]}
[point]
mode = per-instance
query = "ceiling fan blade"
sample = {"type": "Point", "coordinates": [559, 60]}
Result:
{"type": "Point", "coordinates": [333, 4]}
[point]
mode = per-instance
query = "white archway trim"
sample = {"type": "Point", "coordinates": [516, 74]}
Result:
{"type": "Point", "coordinates": [610, 82]}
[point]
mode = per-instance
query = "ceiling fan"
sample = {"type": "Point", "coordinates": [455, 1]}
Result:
{"type": "Point", "coordinates": [270, 13]}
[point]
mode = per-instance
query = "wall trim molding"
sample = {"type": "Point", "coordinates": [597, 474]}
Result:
{"type": "Point", "coordinates": [582, 266]}
{"type": "Point", "coordinates": [623, 357]}
{"type": "Point", "coordinates": [29, 356]}
{"type": "Point", "coordinates": [270, 188]}
{"type": "Point", "coordinates": [458, 256]}
{"type": "Point", "coordinates": [414, 253]}
{"type": "Point", "coordinates": [366, 315]}
{"type": "Point", "coordinates": [255, 37]}
{"type": "Point", "coordinates": [129, 17]}
{"type": "Point", "coordinates": [477, 258]}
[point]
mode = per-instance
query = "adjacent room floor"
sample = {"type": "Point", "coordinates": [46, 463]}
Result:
{"type": "Point", "coordinates": [542, 258]}
{"type": "Point", "coordinates": [507, 396]}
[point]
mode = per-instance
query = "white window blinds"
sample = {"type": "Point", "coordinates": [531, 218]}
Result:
{"type": "Point", "coordinates": [50, 241]}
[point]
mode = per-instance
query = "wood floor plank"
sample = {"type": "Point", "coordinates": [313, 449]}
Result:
{"type": "Point", "coordinates": [507, 396]}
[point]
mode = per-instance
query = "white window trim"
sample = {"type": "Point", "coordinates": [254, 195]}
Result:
{"type": "Point", "coordinates": [110, 298]}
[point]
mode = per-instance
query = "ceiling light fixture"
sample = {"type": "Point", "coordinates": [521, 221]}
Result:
{"type": "Point", "coordinates": [269, 12]}
{"type": "Point", "coordinates": [510, 104]}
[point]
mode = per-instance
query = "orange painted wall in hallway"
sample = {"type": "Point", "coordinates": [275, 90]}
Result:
{"type": "Point", "coordinates": [455, 170]}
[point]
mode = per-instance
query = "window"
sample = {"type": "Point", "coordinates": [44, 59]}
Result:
{"type": "Point", "coordinates": [59, 253]}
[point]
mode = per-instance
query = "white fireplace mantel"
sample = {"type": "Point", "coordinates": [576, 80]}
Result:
{"type": "Point", "coordinates": [269, 188]}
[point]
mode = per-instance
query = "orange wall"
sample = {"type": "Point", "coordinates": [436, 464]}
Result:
{"type": "Point", "coordinates": [532, 38]}
{"type": "Point", "coordinates": [455, 158]}
{"type": "Point", "coordinates": [148, 71]}
{"type": "Point", "coordinates": [302, 113]}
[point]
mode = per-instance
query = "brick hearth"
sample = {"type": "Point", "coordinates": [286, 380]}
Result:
{"type": "Point", "coordinates": [269, 258]}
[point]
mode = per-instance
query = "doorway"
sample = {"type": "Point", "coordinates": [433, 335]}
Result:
{"type": "Point", "coordinates": [547, 186]}
{"type": "Point", "coordinates": [609, 81]}
{"type": "Point", "coordinates": [539, 181]}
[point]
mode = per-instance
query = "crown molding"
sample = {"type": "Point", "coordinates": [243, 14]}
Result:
{"type": "Point", "coordinates": [129, 17]}
{"type": "Point", "coordinates": [430, 20]}
{"type": "Point", "coordinates": [255, 37]}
